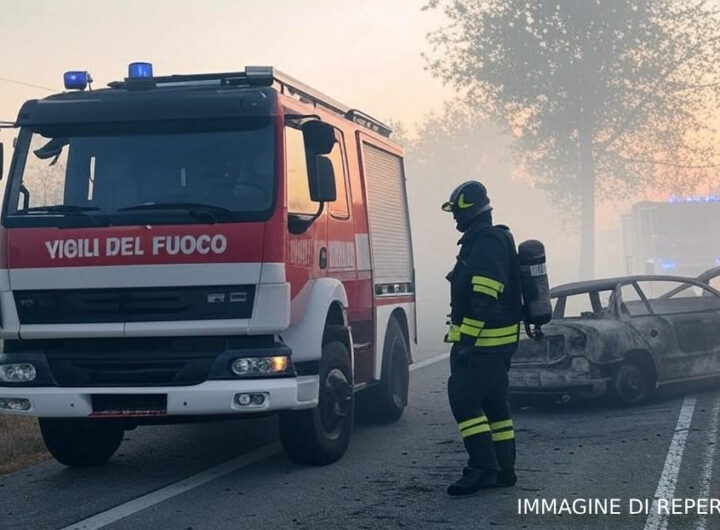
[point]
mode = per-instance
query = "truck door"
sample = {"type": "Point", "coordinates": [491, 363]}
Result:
{"type": "Point", "coordinates": [307, 235]}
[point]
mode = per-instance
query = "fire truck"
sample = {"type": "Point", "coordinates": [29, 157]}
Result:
{"type": "Point", "coordinates": [678, 236]}
{"type": "Point", "coordinates": [203, 246]}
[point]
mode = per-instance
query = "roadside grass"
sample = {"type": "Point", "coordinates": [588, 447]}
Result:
{"type": "Point", "coordinates": [21, 444]}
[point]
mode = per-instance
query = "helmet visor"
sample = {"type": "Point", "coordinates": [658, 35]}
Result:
{"type": "Point", "coordinates": [448, 206]}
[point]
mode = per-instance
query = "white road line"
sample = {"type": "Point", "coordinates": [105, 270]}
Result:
{"type": "Point", "coordinates": [671, 469]}
{"type": "Point", "coordinates": [427, 362]}
{"type": "Point", "coordinates": [706, 479]}
{"type": "Point", "coordinates": [126, 509]}
{"type": "Point", "coordinates": [140, 503]}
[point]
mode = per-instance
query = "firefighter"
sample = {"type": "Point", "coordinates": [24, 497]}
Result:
{"type": "Point", "coordinates": [486, 307]}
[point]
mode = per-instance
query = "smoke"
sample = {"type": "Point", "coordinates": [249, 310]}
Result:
{"type": "Point", "coordinates": [447, 150]}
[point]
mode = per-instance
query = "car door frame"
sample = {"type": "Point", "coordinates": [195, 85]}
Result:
{"type": "Point", "coordinates": [673, 363]}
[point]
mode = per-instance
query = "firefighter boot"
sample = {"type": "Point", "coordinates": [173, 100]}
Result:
{"type": "Point", "coordinates": [506, 478]}
{"type": "Point", "coordinates": [472, 481]}
{"type": "Point", "coordinates": [481, 471]}
{"type": "Point", "coordinates": [505, 451]}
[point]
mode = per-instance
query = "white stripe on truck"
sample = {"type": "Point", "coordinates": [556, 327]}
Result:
{"type": "Point", "coordinates": [160, 275]}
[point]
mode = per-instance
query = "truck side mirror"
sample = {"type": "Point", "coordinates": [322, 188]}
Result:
{"type": "Point", "coordinates": [319, 137]}
{"type": "Point", "coordinates": [1, 160]}
{"type": "Point", "coordinates": [322, 181]}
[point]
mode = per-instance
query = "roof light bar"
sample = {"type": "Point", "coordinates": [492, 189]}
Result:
{"type": "Point", "coordinates": [140, 70]}
{"type": "Point", "coordinates": [707, 198]}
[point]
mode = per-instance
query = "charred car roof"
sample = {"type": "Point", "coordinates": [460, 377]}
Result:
{"type": "Point", "coordinates": [608, 284]}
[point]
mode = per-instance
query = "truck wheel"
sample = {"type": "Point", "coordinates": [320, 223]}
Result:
{"type": "Point", "coordinates": [320, 436]}
{"type": "Point", "coordinates": [631, 386]}
{"type": "Point", "coordinates": [81, 442]}
{"type": "Point", "coordinates": [386, 402]}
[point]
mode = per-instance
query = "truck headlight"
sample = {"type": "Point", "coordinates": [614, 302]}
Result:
{"type": "Point", "coordinates": [254, 366]}
{"type": "Point", "coordinates": [17, 373]}
{"type": "Point", "coordinates": [580, 364]}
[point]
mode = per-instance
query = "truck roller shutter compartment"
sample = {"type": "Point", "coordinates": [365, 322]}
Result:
{"type": "Point", "coordinates": [388, 216]}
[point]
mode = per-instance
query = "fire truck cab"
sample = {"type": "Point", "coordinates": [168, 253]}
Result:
{"type": "Point", "coordinates": [231, 244]}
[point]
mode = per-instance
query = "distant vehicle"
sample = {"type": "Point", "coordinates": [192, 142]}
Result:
{"type": "Point", "coordinates": [207, 245]}
{"type": "Point", "coordinates": [622, 337]}
{"type": "Point", "coordinates": [680, 236]}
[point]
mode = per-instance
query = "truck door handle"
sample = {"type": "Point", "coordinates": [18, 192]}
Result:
{"type": "Point", "coordinates": [323, 258]}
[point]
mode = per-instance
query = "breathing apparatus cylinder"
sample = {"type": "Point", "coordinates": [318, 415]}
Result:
{"type": "Point", "coordinates": [537, 309]}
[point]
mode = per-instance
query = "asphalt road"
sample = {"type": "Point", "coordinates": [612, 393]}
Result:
{"type": "Point", "coordinates": [233, 474]}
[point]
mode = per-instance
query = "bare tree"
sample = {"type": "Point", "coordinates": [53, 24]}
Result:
{"type": "Point", "coordinates": [602, 96]}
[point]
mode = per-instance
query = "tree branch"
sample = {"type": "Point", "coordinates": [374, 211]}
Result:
{"type": "Point", "coordinates": [631, 115]}
{"type": "Point", "coordinates": [664, 163]}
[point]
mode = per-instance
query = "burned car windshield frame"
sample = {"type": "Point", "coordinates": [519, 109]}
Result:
{"type": "Point", "coordinates": [188, 210]}
{"type": "Point", "coordinates": [562, 293]}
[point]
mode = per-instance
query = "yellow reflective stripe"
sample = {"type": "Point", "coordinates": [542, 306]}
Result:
{"type": "Point", "coordinates": [499, 341]}
{"type": "Point", "coordinates": [500, 332]}
{"type": "Point", "coordinates": [453, 334]}
{"type": "Point", "coordinates": [473, 322]}
{"type": "Point", "coordinates": [476, 430]}
{"type": "Point", "coordinates": [472, 421]}
{"type": "Point", "coordinates": [485, 290]}
{"type": "Point", "coordinates": [469, 330]}
{"type": "Point", "coordinates": [502, 436]}
{"type": "Point", "coordinates": [488, 282]}
{"type": "Point", "coordinates": [501, 424]}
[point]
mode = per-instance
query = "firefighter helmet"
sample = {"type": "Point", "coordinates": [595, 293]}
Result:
{"type": "Point", "coordinates": [467, 201]}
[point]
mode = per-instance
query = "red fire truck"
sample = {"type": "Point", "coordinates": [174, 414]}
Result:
{"type": "Point", "coordinates": [231, 244]}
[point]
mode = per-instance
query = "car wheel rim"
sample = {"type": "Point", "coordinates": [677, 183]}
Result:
{"type": "Point", "coordinates": [632, 386]}
{"type": "Point", "coordinates": [335, 403]}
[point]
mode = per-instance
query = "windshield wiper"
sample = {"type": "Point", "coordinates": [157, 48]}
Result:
{"type": "Point", "coordinates": [194, 209]}
{"type": "Point", "coordinates": [59, 208]}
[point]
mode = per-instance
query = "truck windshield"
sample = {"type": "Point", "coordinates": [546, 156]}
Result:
{"type": "Point", "coordinates": [175, 177]}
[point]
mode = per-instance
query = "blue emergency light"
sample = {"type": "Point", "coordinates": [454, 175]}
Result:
{"type": "Point", "coordinates": [76, 80]}
{"type": "Point", "coordinates": [140, 70]}
{"type": "Point", "coordinates": [668, 265]}
{"type": "Point", "coordinates": [707, 198]}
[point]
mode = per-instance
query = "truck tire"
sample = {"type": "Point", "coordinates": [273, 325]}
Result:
{"type": "Point", "coordinates": [386, 402]}
{"type": "Point", "coordinates": [81, 442]}
{"type": "Point", "coordinates": [320, 436]}
{"type": "Point", "coordinates": [631, 386]}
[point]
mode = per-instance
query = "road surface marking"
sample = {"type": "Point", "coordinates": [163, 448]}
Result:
{"type": "Point", "coordinates": [102, 519]}
{"type": "Point", "coordinates": [140, 503]}
{"type": "Point", "coordinates": [427, 362]}
{"type": "Point", "coordinates": [671, 469]}
{"type": "Point", "coordinates": [706, 479]}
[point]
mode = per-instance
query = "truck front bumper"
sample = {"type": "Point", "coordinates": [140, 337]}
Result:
{"type": "Point", "coordinates": [208, 398]}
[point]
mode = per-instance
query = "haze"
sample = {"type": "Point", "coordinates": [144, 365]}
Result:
{"type": "Point", "coordinates": [367, 55]}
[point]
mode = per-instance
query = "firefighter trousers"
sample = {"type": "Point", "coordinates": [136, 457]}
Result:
{"type": "Point", "coordinates": [478, 394]}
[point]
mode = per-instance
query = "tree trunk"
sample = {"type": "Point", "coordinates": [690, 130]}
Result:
{"type": "Point", "coordinates": [587, 207]}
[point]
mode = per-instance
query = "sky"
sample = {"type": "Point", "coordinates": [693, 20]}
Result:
{"type": "Point", "coordinates": [365, 54]}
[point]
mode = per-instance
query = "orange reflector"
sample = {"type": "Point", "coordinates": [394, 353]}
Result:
{"type": "Point", "coordinates": [280, 364]}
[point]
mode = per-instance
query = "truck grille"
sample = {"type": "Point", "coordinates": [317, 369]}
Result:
{"type": "Point", "coordinates": [133, 362]}
{"type": "Point", "coordinates": [79, 306]}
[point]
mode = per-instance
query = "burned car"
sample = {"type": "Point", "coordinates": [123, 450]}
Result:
{"type": "Point", "coordinates": [711, 277]}
{"type": "Point", "coordinates": [622, 337]}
